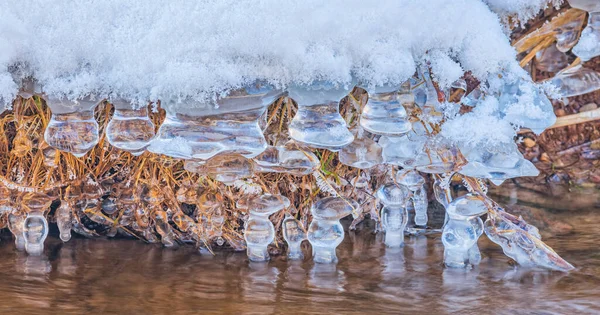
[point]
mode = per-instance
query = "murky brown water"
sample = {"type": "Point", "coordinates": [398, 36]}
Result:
{"type": "Point", "coordinates": [129, 277]}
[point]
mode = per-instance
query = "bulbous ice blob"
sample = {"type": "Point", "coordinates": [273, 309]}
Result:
{"type": "Point", "coordinates": [498, 166]}
{"type": "Point", "coordinates": [64, 217]}
{"type": "Point", "coordinates": [466, 207]}
{"type": "Point", "coordinates": [36, 202]}
{"type": "Point", "coordinates": [411, 179]}
{"type": "Point", "coordinates": [286, 159]}
{"type": "Point", "coordinates": [576, 81]}
{"type": "Point", "coordinates": [520, 245]}
{"type": "Point", "coordinates": [203, 131]}
{"type": "Point", "coordinates": [263, 205]}
{"type": "Point", "coordinates": [333, 208]}
{"type": "Point", "coordinates": [16, 227]}
{"type": "Point", "coordinates": [224, 168]}
{"type": "Point", "coordinates": [130, 129]}
{"type": "Point", "coordinates": [259, 231]}
{"type": "Point", "coordinates": [326, 232]}
{"type": "Point", "coordinates": [35, 231]}
{"type": "Point", "coordinates": [293, 233]}
{"type": "Point", "coordinates": [362, 153]}
{"type": "Point", "coordinates": [460, 242]}
{"type": "Point", "coordinates": [318, 122]}
{"type": "Point", "coordinates": [384, 114]}
{"type": "Point", "coordinates": [394, 220]}
{"type": "Point", "coordinates": [391, 194]}
{"type": "Point", "coordinates": [72, 127]}
{"type": "Point", "coordinates": [588, 46]}
{"type": "Point", "coordinates": [551, 59]}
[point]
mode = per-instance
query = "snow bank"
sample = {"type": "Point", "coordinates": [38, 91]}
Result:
{"type": "Point", "coordinates": [148, 50]}
{"type": "Point", "coordinates": [181, 50]}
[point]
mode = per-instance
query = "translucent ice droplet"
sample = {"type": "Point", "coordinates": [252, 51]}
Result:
{"type": "Point", "coordinates": [286, 159]}
{"type": "Point", "coordinates": [72, 127]}
{"type": "Point", "coordinates": [318, 122]}
{"type": "Point", "coordinates": [202, 131]}
{"type": "Point", "coordinates": [384, 114]}
{"type": "Point", "coordinates": [588, 46]}
{"type": "Point", "coordinates": [35, 232]}
{"type": "Point", "coordinates": [466, 207]}
{"type": "Point", "coordinates": [551, 59]}
{"type": "Point", "coordinates": [577, 81]}
{"type": "Point", "coordinates": [259, 231]}
{"type": "Point", "coordinates": [505, 163]}
{"type": "Point", "coordinates": [326, 232]}
{"type": "Point", "coordinates": [293, 233]}
{"type": "Point", "coordinates": [224, 168]}
{"type": "Point", "coordinates": [362, 153]}
{"type": "Point", "coordinates": [130, 129]}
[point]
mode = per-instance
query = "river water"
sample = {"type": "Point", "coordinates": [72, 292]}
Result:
{"type": "Point", "coordinates": [130, 277]}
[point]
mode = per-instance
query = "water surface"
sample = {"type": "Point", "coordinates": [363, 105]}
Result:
{"type": "Point", "coordinates": [130, 277]}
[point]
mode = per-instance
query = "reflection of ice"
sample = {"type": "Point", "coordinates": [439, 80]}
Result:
{"type": "Point", "coordinates": [393, 263]}
{"type": "Point", "coordinates": [327, 277]}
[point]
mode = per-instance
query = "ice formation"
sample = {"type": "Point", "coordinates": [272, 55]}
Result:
{"type": "Point", "coordinates": [216, 80]}
{"type": "Point", "coordinates": [259, 231]}
{"type": "Point", "coordinates": [326, 232]}
{"type": "Point", "coordinates": [462, 230]}
{"type": "Point", "coordinates": [588, 47]}
{"type": "Point", "coordinates": [393, 215]}
{"type": "Point", "coordinates": [294, 233]}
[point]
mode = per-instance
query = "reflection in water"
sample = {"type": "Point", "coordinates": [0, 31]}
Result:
{"type": "Point", "coordinates": [123, 276]}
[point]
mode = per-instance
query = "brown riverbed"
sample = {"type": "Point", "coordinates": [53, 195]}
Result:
{"type": "Point", "coordinates": [130, 277]}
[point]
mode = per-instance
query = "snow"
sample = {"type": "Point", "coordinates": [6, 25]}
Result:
{"type": "Point", "coordinates": [149, 50]}
{"type": "Point", "coordinates": [195, 50]}
{"type": "Point", "coordinates": [522, 10]}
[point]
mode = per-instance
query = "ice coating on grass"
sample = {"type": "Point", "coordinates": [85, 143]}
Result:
{"type": "Point", "coordinates": [224, 168]}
